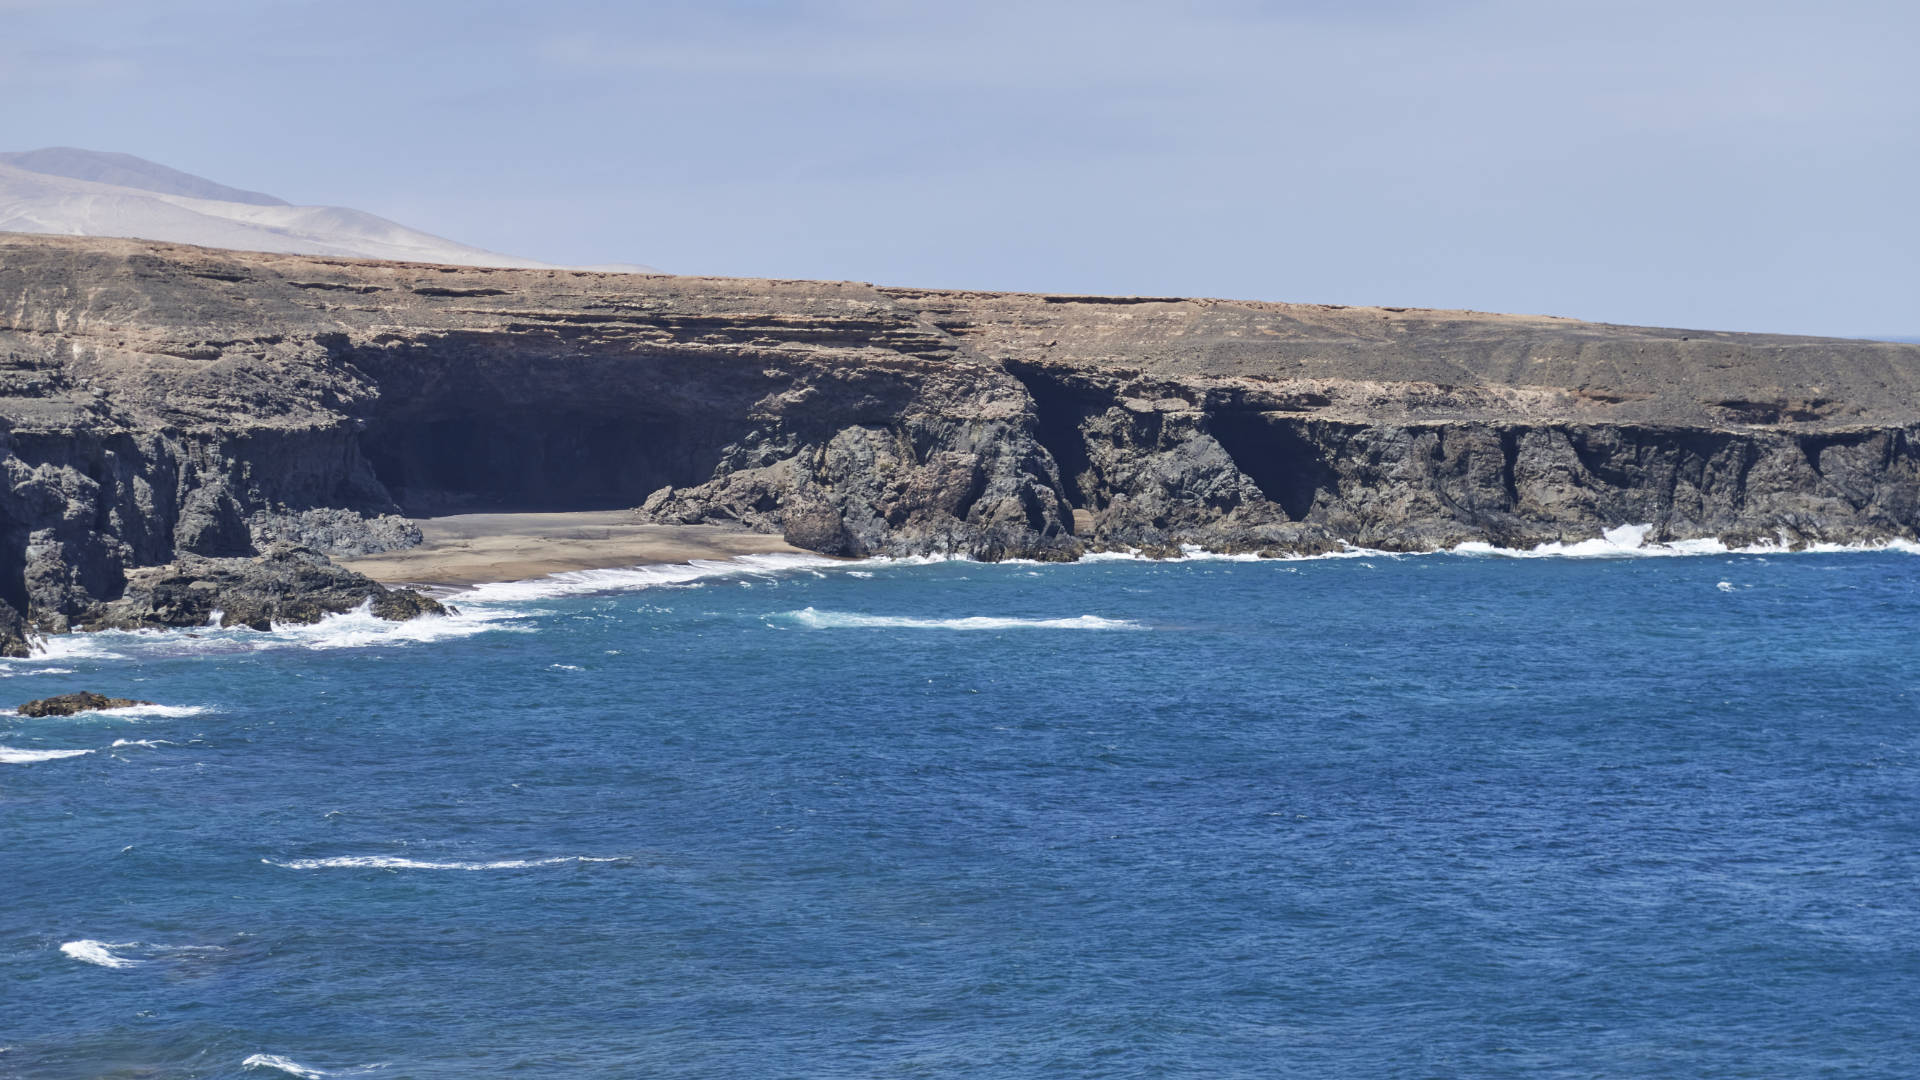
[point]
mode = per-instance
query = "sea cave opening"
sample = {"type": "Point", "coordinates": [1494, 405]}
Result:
{"type": "Point", "coordinates": [534, 462]}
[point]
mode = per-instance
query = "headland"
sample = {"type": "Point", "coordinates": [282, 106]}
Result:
{"type": "Point", "coordinates": [187, 430]}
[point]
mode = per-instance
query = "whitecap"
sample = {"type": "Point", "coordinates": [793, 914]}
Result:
{"type": "Point", "coordinates": [621, 579]}
{"type": "Point", "coordinates": [109, 954]}
{"type": "Point", "coordinates": [150, 744]}
{"type": "Point", "coordinates": [1725, 586]}
{"type": "Point", "coordinates": [394, 862]}
{"type": "Point", "coordinates": [825, 620]}
{"type": "Point", "coordinates": [7, 671]}
{"type": "Point", "coordinates": [283, 1064]}
{"type": "Point", "coordinates": [88, 951]}
{"type": "Point", "coordinates": [305, 1072]}
{"type": "Point", "coordinates": [14, 755]}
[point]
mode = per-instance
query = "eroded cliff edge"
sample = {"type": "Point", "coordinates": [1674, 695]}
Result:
{"type": "Point", "coordinates": [164, 403]}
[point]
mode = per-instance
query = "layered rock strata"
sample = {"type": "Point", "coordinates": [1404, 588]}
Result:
{"type": "Point", "coordinates": [194, 409]}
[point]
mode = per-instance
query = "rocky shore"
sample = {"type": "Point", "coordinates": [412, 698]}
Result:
{"type": "Point", "coordinates": [186, 430]}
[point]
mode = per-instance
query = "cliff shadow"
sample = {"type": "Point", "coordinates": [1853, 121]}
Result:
{"type": "Point", "coordinates": [1060, 411]}
{"type": "Point", "coordinates": [533, 461]}
{"type": "Point", "coordinates": [504, 422]}
{"type": "Point", "coordinates": [1288, 467]}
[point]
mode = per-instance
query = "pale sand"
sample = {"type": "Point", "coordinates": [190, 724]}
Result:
{"type": "Point", "coordinates": [467, 549]}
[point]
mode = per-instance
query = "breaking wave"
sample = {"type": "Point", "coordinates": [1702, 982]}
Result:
{"type": "Point", "coordinates": [394, 862]}
{"type": "Point", "coordinates": [1622, 542]}
{"type": "Point", "coordinates": [8, 670]}
{"type": "Point", "coordinates": [352, 629]}
{"type": "Point", "coordinates": [13, 755]}
{"type": "Point", "coordinates": [832, 620]}
{"type": "Point", "coordinates": [101, 953]}
{"type": "Point", "coordinates": [1626, 541]}
{"type": "Point", "coordinates": [88, 951]}
{"type": "Point", "coordinates": [305, 1072]}
{"type": "Point", "coordinates": [154, 711]}
{"type": "Point", "coordinates": [285, 1065]}
{"type": "Point", "coordinates": [578, 582]}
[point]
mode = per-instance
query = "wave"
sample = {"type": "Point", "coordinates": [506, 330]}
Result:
{"type": "Point", "coordinates": [13, 755]}
{"type": "Point", "coordinates": [352, 629]}
{"type": "Point", "coordinates": [1622, 542]}
{"type": "Point", "coordinates": [1626, 541]}
{"type": "Point", "coordinates": [621, 579]}
{"type": "Point", "coordinates": [7, 670]}
{"type": "Point", "coordinates": [305, 1072]}
{"type": "Point", "coordinates": [156, 711]}
{"type": "Point", "coordinates": [285, 1065]}
{"type": "Point", "coordinates": [394, 862]}
{"type": "Point", "coordinates": [832, 620]}
{"type": "Point", "coordinates": [148, 743]}
{"type": "Point", "coordinates": [88, 951]}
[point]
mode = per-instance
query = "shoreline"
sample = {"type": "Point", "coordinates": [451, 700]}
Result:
{"type": "Point", "coordinates": [463, 550]}
{"type": "Point", "coordinates": [466, 551]}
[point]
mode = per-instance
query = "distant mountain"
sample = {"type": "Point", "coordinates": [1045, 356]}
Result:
{"type": "Point", "coordinates": [125, 170]}
{"type": "Point", "coordinates": [74, 192]}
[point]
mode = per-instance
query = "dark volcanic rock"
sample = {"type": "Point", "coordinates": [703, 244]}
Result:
{"type": "Point", "coordinates": [287, 585]}
{"type": "Point", "coordinates": [166, 406]}
{"type": "Point", "coordinates": [68, 704]}
{"type": "Point", "coordinates": [16, 637]}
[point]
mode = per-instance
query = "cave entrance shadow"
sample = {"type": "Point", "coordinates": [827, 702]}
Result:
{"type": "Point", "coordinates": [1287, 467]}
{"type": "Point", "coordinates": [526, 463]}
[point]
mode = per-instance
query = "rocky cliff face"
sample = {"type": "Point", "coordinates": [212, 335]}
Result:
{"type": "Point", "coordinates": [161, 403]}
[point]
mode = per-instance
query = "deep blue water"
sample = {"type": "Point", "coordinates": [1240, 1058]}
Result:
{"type": "Point", "coordinates": [1433, 816]}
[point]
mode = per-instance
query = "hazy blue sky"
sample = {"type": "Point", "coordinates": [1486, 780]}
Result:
{"type": "Point", "coordinates": [1744, 165]}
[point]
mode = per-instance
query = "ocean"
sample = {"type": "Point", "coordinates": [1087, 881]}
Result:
{"type": "Point", "coordinates": [1611, 811]}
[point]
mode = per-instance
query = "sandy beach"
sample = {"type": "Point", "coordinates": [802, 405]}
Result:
{"type": "Point", "coordinates": [467, 549]}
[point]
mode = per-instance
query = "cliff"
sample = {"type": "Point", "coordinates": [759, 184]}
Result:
{"type": "Point", "coordinates": [161, 403]}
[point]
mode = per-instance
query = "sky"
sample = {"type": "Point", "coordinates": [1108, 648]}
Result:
{"type": "Point", "coordinates": [1731, 165]}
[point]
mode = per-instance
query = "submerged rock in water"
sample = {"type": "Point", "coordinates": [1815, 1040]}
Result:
{"type": "Point", "coordinates": [287, 585]}
{"type": "Point", "coordinates": [68, 704]}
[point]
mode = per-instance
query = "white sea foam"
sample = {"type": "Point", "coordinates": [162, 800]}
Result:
{"type": "Point", "coordinates": [13, 755]}
{"type": "Point", "coordinates": [349, 630]}
{"type": "Point", "coordinates": [828, 620]}
{"type": "Point", "coordinates": [578, 582]}
{"type": "Point", "coordinates": [148, 743]}
{"type": "Point", "coordinates": [1623, 542]}
{"type": "Point", "coordinates": [394, 862]}
{"type": "Point", "coordinates": [155, 712]}
{"type": "Point", "coordinates": [285, 1065]}
{"type": "Point", "coordinates": [8, 670]}
{"type": "Point", "coordinates": [113, 954]}
{"type": "Point", "coordinates": [305, 1072]}
{"type": "Point", "coordinates": [88, 951]}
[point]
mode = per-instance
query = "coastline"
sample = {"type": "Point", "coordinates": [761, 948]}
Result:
{"type": "Point", "coordinates": [464, 551]}
{"type": "Point", "coordinates": [476, 549]}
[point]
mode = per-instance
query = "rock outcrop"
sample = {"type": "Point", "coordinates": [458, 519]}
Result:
{"type": "Point", "coordinates": [69, 704]}
{"type": "Point", "coordinates": [190, 409]}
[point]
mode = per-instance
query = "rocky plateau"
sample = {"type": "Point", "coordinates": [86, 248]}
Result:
{"type": "Point", "coordinates": [186, 431]}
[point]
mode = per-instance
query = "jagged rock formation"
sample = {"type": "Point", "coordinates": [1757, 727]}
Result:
{"type": "Point", "coordinates": [162, 402]}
